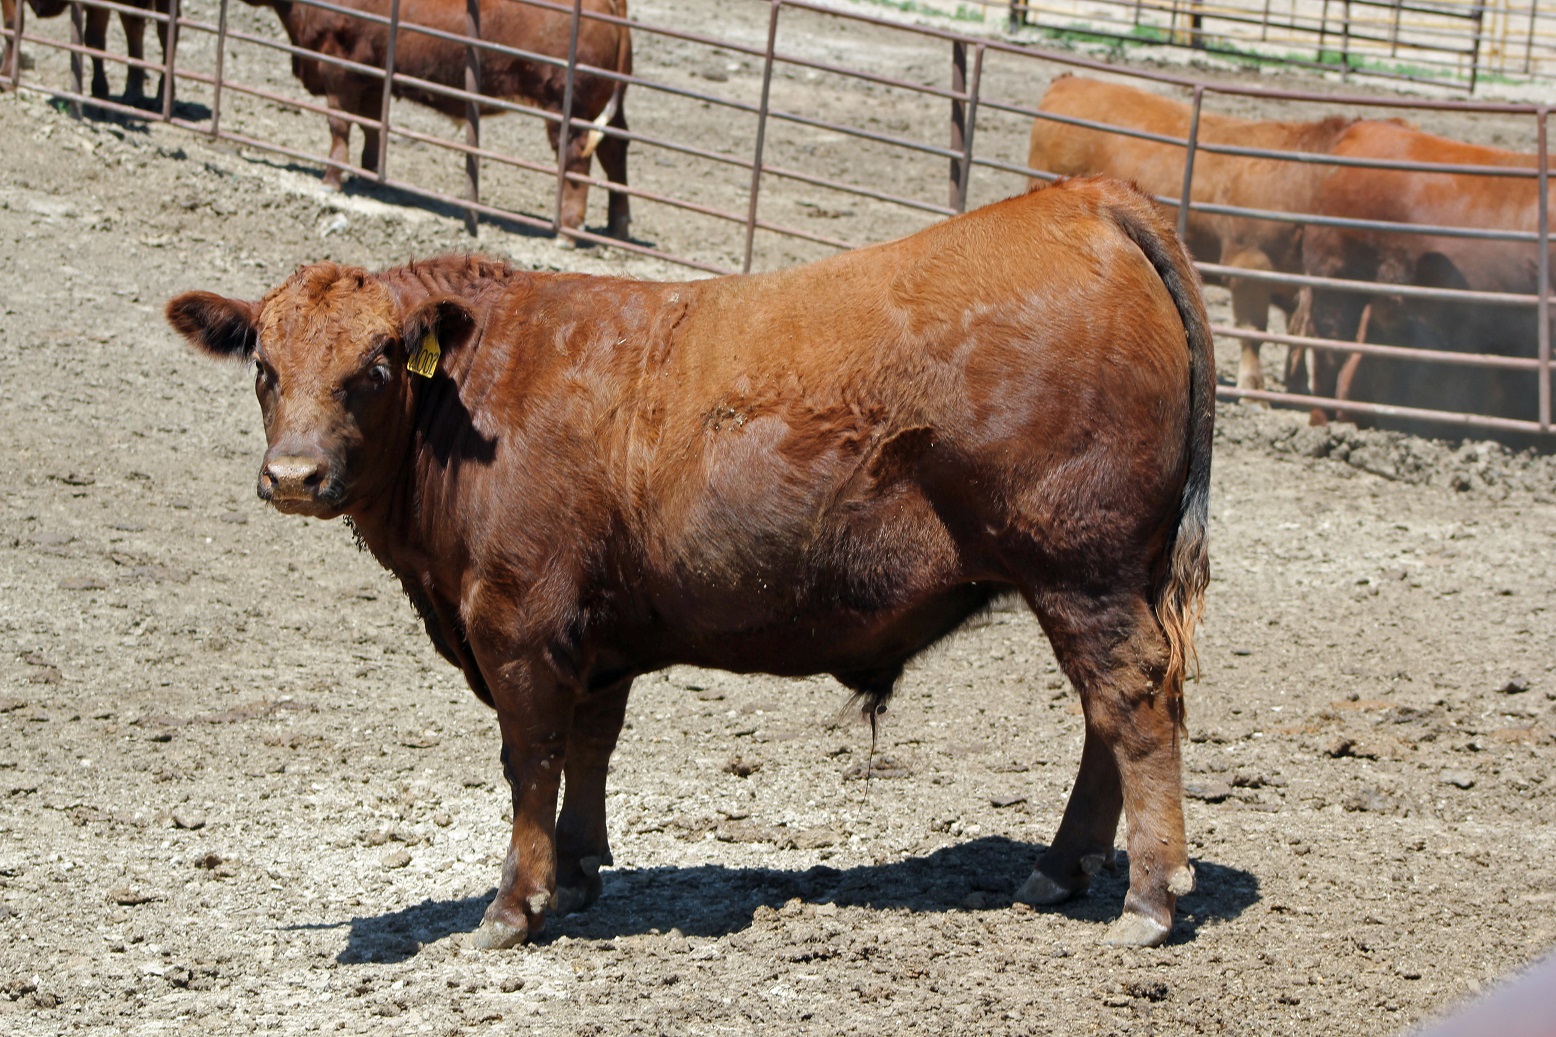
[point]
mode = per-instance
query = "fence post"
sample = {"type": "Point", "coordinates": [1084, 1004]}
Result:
{"type": "Point", "coordinates": [221, 59]}
{"type": "Point", "coordinates": [16, 44]}
{"type": "Point", "coordinates": [1018, 14]}
{"type": "Point", "coordinates": [964, 118]}
{"type": "Point", "coordinates": [169, 58]}
{"type": "Point", "coordinates": [958, 121]}
{"type": "Point", "coordinates": [1544, 331]}
{"type": "Point", "coordinates": [383, 111]}
{"type": "Point", "coordinates": [472, 113]}
{"type": "Point", "coordinates": [761, 134]}
{"type": "Point", "coordinates": [565, 129]}
{"type": "Point", "coordinates": [1188, 164]}
{"type": "Point", "coordinates": [77, 39]}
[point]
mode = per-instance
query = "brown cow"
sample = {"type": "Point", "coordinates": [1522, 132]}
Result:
{"type": "Point", "coordinates": [1231, 180]}
{"type": "Point", "coordinates": [823, 470]}
{"type": "Point", "coordinates": [94, 34]}
{"type": "Point", "coordinates": [1426, 199]}
{"type": "Point", "coordinates": [540, 29]}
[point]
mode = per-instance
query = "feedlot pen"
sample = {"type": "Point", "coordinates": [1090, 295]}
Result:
{"type": "Point", "coordinates": [785, 131]}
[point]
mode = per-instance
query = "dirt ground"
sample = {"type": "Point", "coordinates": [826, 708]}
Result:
{"type": "Point", "coordinates": [239, 793]}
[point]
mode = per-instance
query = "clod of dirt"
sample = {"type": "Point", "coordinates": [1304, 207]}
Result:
{"type": "Point", "coordinates": [1209, 791]}
{"type": "Point", "coordinates": [1000, 802]}
{"type": "Point", "coordinates": [1458, 779]}
{"type": "Point", "coordinates": [396, 859]}
{"type": "Point", "coordinates": [187, 820]}
{"type": "Point", "coordinates": [1516, 685]}
{"type": "Point", "coordinates": [741, 767]}
{"type": "Point", "coordinates": [124, 896]}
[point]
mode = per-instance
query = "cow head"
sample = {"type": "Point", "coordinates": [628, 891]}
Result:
{"type": "Point", "coordinates": [330, 348]}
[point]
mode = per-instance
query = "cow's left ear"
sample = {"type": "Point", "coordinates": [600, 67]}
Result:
{"type": "Point", "coordinates": [445, 317]}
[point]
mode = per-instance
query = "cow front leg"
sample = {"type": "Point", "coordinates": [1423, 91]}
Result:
{"type": "Point", "coordinates": [582, 846]}
{"type": "Point", "coordinates": [535, 715]}
{"type": "Point", "coordinates": [340, 145]}
{"type": "Point", "coordinates": [1115, 652]}
{"type": "Point", "coordinates": [135, 45]}
{"type": "Point", "coordinates": [1250, 309]}
{"type": "Point", "coordinates": [95, 36]}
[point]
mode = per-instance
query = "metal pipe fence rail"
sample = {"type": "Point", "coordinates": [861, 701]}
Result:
{"type": "Point", "coordinates": [969, 116]}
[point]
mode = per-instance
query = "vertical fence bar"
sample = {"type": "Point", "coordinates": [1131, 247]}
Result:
{"type": "Point", "coordinates": [972, 126]}
{"type": "Point", "coordinates": [472, 113]}
{"type": "Point", "coordinates": [221, 61]}
{"type": "Point", "coordinates": [383, 111]}
{"type": "Point", "coordinates": [1528, 42]}
{"type": "Point", "coordinates": [1544, 331]}
{"type": "Point", "coordinates": [761, 133]}
{"type": "Point", "coordinates": [1188, 163]}
{"type": "Point", "coordinates": [1480, 14]}
{"type": "Point", "coordinates": [77, 38]}
{"type": "Point", "coordinates": [958, 121]}
{"type": "Point", "coordinates": [565, 128]}
{"type": "Point", "coordinates": [170, 59]}
{"type": "Point", "coordinates": [1399, 6]}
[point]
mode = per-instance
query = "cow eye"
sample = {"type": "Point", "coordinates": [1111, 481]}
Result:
{"type": "Point", "coordinates": [379, 374]}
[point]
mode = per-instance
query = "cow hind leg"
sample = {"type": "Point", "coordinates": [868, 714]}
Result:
{"type": "Point", "coordinates": [1115, 652]}
{"type": "Point", "coordinates": [582, 846]}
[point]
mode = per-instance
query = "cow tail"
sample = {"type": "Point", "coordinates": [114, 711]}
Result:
{"type": "Point", "coordinates": [623, 66]}
{"type": "Point", "coordinates": [1179, 594]}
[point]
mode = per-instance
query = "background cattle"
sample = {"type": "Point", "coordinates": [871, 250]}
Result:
{"type": "Point", "coordinates": [1231, 180]}
{"type": "Point", "coordinates": [1425, 199]}
{"type": "Point", "coordinates": [512, 23]}
{"type": "Point", "coordinates": [95, 35]}
{"type": "Point", "coordinates": [823, 470]}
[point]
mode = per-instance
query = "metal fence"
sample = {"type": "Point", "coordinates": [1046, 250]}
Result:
{"type": "Point", "coordinates": [938, 120]}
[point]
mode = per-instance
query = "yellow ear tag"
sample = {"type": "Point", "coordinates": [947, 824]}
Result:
{"type": "Point", "coordinates": [425, 360]}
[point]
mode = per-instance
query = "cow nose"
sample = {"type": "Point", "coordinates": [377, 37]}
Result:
{"type": "Point", "coordinates": [290, 478]}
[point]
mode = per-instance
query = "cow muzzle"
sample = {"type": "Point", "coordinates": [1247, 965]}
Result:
{"type": "Point", "coordinates": [297, 485]}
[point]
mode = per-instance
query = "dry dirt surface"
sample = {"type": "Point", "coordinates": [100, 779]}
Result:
{"type": "Point", "coordinates": [239, 793]}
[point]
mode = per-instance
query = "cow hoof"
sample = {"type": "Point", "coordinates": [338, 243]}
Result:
{"type": "Point", "coordinates": [1041, 891]}
{"type": "Point", "coordinates": [1136, 930]}
{"type": "Point", "coordinates": [569, 899]}
{"type": "Point", "coordinates": [498, 936]}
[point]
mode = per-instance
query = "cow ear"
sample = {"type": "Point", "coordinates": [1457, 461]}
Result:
{"type": "Point", "coordinates": [445, 317]}
{"type": "Point", "coordinates": [216, 325]}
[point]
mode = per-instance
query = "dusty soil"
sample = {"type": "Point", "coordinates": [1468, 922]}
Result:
{"type": "Point", "coordinates": [239, 793]}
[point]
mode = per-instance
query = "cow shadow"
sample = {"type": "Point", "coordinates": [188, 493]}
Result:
{"type": "Point", "coordinates": [713, 900]}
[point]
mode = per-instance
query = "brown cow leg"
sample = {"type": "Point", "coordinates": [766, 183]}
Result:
{"type": "Point", "coordinates": [135, 43]}
{"type": "Point", "coordinates": [535, 716]}
{"type": "Point", "coordinates": [95, 36]}
{"type": "Point", "coordinates": [340, 144]}
{"type": "Point", "coordinates": [613, 161]}
{"type": "Point", "coordinates": [1115, 653]}
{"type": "Point", "coordinates": [1084, 842]}
{"type": "Point", "coordinates": [1250, 309]}
{"type": "Point", "coordinates": [581, 842]}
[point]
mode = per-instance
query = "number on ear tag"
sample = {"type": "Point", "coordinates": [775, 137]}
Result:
{"type": "Point", "coordinates": [425, 360]}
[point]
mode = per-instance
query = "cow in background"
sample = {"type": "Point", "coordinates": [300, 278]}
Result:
{"type": "Point", "coordinates": [579, 480]}
{"type": "Point", "coordinates": [1390, 257]}
{"type": "Point", "coordinates": [1250, 183]}
{"type": "Point", "coordinates": [539, 29]}
{"type": "Point", "coordinates": [95, 35]}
